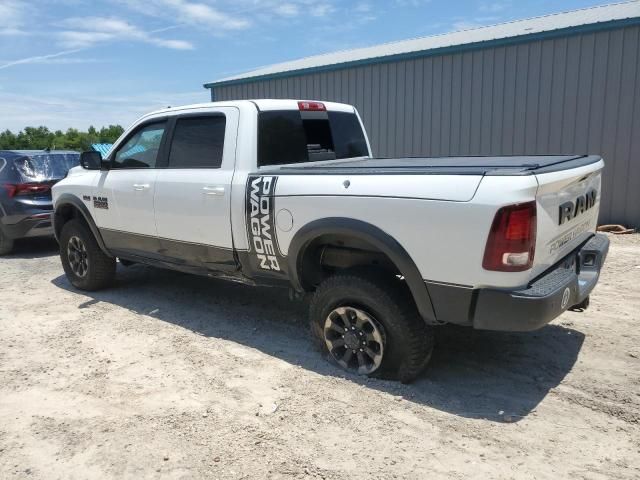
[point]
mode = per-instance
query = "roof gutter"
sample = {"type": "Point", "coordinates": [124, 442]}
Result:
{"type": "Point", "coordinates": [519, 39]}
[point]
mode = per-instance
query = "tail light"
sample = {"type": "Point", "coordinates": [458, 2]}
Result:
{"type": "Point", "coordinates": [512, 239]}
{"type": "Point", "coordinates": [18, 189]}
{"type": "Point", "coordinates": [312, 106]}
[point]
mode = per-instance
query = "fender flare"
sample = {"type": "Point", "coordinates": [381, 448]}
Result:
{"type": "Point", "coordinates": [372, 235]}
{"type": "Point", "coordinates": [68, 199]}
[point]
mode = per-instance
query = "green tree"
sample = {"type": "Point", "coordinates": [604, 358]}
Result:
{"type": "Point", "coordinates": [8, 140]}
{"type": "Point", "coordinates": [34, 138]}
{"type": "Point", "coordinates": [41, 138]}
{"type": "Point", "coordinates": [110, 134]}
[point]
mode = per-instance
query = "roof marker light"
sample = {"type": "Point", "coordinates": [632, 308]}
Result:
{"type": "Point", "coordinates": [312, 106]}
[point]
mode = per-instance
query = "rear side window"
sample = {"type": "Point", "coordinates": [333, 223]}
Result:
{"type": "Point", "coordinates": [198, 142]}
{"type": "Point", "coordinates": [291, 136]}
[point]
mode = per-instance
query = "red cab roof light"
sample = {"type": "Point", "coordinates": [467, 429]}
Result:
{"type": "Point", "coordinates": [312, 106]}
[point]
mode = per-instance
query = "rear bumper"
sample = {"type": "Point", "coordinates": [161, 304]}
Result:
{"type": "Point", "coordinates": [566, 285]}
{"type": "Point", "coordinates": [37, 225]}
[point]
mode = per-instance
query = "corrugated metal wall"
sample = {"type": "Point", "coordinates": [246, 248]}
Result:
{"type": "Point", "coordinates": [576, 94]}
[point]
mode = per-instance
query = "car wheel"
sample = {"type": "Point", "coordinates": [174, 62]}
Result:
{"type": "Point", "coordinates": [6, 244]}
{"type": "Point", "coordinates": [370, 326]}
{"type": "Point", "coordinates": [85, 264]}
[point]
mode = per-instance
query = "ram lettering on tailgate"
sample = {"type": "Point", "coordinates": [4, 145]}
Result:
{"type": "Point", "coordinates": [570, 210]}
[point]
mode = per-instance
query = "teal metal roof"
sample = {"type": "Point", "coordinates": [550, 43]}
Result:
{"type": "Point", "coordinates": [559, 24]}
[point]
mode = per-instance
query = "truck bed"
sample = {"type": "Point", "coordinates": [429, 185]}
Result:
{"type": "Point", "coordinates": [503, 165]}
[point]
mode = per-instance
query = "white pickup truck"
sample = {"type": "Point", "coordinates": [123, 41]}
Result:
{"type": "Point", "coordinates": [287, 193]}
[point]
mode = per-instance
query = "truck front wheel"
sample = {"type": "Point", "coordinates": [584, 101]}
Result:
{"type": "Point", "coordinates": [84, 263]}
{"type": "Point", "coordinates": [370, 326]}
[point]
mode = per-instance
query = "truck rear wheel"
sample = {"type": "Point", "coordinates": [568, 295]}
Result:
{"type": "Point", "coordinates": [370, 326]}
{"type": "Point", "coordinates": [85, 264]}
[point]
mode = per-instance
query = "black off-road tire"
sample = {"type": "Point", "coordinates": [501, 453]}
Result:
{"type": "Point", "coordinates": [101, 268]}
{"type": "Point", "coordinates": [6, 244]}
{"type": "Point", "coordinates": [408, 340]}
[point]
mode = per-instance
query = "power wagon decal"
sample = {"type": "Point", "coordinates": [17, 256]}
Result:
{"type": "Point", "coordinates": [264, 253]}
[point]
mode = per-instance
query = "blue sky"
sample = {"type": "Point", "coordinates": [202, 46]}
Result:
{"type": "Point", "coordinates": [75, 63]}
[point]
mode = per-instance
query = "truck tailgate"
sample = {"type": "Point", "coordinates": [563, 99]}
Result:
{"type": "Point", "coordinates": [568, 202]}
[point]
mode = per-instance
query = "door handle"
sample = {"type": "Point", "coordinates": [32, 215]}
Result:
{"type": "Point", "coordinates": [140, 186]}
{"type": "Point", "coordinates": [213, 190]}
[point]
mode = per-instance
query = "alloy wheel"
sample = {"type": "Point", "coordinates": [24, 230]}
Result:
{"type": "Point", "coordinates": [78, 257]}
{"type": "Point", "coordinates": [354, 339]}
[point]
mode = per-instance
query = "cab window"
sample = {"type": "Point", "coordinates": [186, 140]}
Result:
{"type": "Point", "coordinates": [141, 149]}
{"type": "Point", "coordinates": [292, 136]}
{"type": "Point", "coordinates": [198, 142]}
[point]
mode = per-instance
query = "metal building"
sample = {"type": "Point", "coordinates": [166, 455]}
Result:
{"type": "Point", "coordinates": [559, 84]}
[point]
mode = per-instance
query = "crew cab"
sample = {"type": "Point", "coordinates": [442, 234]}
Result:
{"type": "Point", "coordinates": [287, 193]}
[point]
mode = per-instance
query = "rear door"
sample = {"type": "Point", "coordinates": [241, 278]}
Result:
{"type": "Point", "coordinates": [123, 199]}
{"type": "Point", "coordinates": [193, 192]}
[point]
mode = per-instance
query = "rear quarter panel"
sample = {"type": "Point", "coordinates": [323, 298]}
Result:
{"type": "Point", "coordinates": [445, 238]}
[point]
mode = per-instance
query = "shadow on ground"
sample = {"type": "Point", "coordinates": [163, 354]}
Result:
{"type": "Point", "coordinates": [473, 374]}
{"type": "Point", "coordinates": [36, 247]}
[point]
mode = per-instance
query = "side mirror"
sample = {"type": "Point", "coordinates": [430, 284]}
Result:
{"type": "Point", "coordinates": [91, 160]}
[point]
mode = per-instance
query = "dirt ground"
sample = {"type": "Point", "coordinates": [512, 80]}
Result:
{"type": "Point", "coordinates": [172, 376]}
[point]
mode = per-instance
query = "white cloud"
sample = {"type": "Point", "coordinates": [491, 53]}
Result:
{"type": "Point", "coordinates": [11, 11]}
{"type": "Point", "coordinates": [412, 3]}
{"type": "Point", "coordinates": [73, 39]}
{"type": "Point", "coordinates": [37, 58]}
{"type": "Point", "coordinates": [13, 15]}
{"type": "Point", "coordinates": [321, 9]}
{"type": "Point", "coordinates": [201, 13]}
{"type": "Point", "coordinates": [465, 25]}
{"type": "Point", "coordinates": [84, 32]}
{"type": "Point", "coordinates": [105, 24]}
{"type": "Point", "coordinates": [63, 60]}
{"type": "Point", "coordinates": [363, 12]}
{"type": "Point", "coordinates": [189, 13]}
{"type": "Point", "coordinates": [287, 9]}
{"type": "Point", "coordinates": [362, 7]}
{"type": "Point", "coordinates": [472, 23]}
{"type": "Point", "coordinates": [494, 7]}
{"type": "Point", "coordinates": [65, 110]}
{"type": "Point", "coordinates": [172, 44]}
{"type": "Point", "coordinates": [12, 32]}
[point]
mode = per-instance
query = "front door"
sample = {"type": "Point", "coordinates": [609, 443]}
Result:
{"type": "Point", "coordinates": [124, 198]}
{"type": "Point", "coordinates": [193, 194]}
